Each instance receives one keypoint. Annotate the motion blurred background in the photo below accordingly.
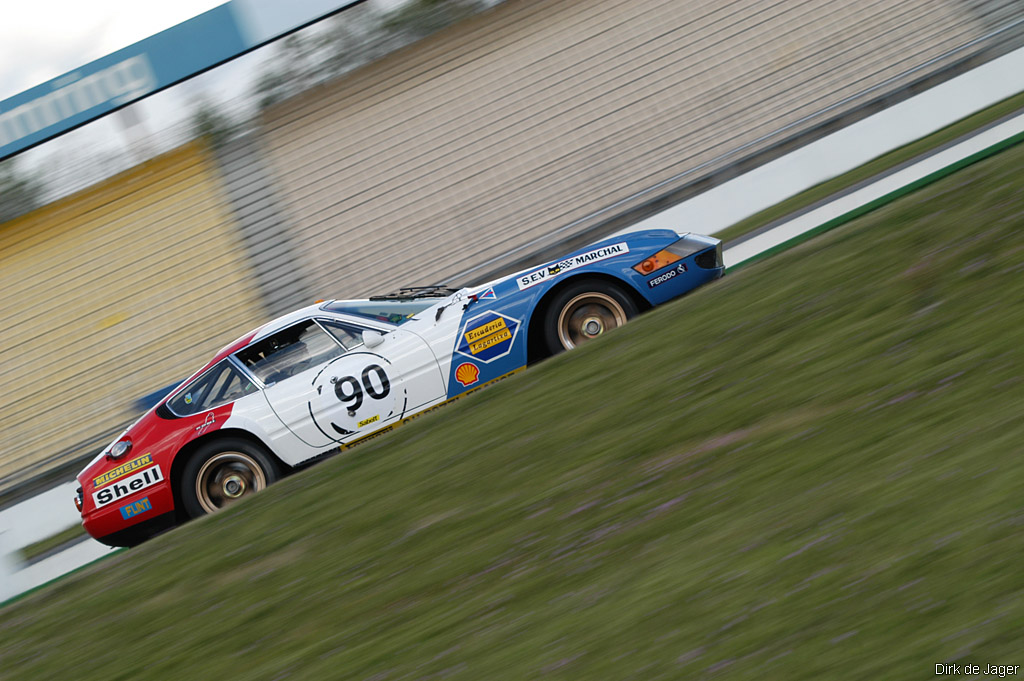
(398, 144)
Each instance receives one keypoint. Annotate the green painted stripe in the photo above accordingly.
(884, 200)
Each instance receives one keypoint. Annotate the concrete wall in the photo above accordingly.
(539, 112)
(112, 293)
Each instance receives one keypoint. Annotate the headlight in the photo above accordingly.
(119, 449)
(686, 246)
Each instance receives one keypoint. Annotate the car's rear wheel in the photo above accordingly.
(223, 471)
(585, 310)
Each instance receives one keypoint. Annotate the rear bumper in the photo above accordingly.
(110, 525)
(140, 532)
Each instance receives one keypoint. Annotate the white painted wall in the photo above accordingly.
(836, 208)
(845, 149)
(9, 566)
(37, 518)
(41, 516)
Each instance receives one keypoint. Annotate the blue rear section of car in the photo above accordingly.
(495, 327)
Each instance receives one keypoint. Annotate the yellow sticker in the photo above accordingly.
(366, 422)
(122, 470)
(490, 341)
(486, 330)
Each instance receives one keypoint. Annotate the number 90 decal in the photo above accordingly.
(353, 392)
(350, 389)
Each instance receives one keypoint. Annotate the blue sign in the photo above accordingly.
(151, 65)
(137, 508)
(117, 79)
(488, 336)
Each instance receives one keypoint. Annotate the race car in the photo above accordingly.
(337, 373)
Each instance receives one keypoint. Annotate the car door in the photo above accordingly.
(327, 388)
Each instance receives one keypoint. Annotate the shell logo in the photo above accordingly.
(467, 374)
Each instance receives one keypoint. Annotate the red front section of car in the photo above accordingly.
(128, 499)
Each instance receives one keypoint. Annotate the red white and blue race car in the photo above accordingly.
(323, 378)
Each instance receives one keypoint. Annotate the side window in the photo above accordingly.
(220, 385)
(348, 335)
(290, 352)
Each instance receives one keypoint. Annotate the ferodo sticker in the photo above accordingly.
(122, 470)
(488, 336)
(147, 477)
(668, 276)
(539, 276)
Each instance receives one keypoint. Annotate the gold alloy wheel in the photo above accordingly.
(587, 316)
(227, 477)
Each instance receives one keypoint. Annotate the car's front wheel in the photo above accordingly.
(223, 471)
(583, 311)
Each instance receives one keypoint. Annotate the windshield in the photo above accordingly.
(390, 311)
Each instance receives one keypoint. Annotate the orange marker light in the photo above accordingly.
(660, 259)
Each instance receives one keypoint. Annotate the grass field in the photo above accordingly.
(808, 470)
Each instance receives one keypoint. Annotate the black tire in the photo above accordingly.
(223, 471)
(583, 311)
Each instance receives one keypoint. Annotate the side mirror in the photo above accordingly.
(372, 339)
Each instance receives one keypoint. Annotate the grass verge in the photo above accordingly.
(807, 470)
(881, 164)
(44, 546)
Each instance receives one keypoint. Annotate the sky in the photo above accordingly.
(43, 39)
